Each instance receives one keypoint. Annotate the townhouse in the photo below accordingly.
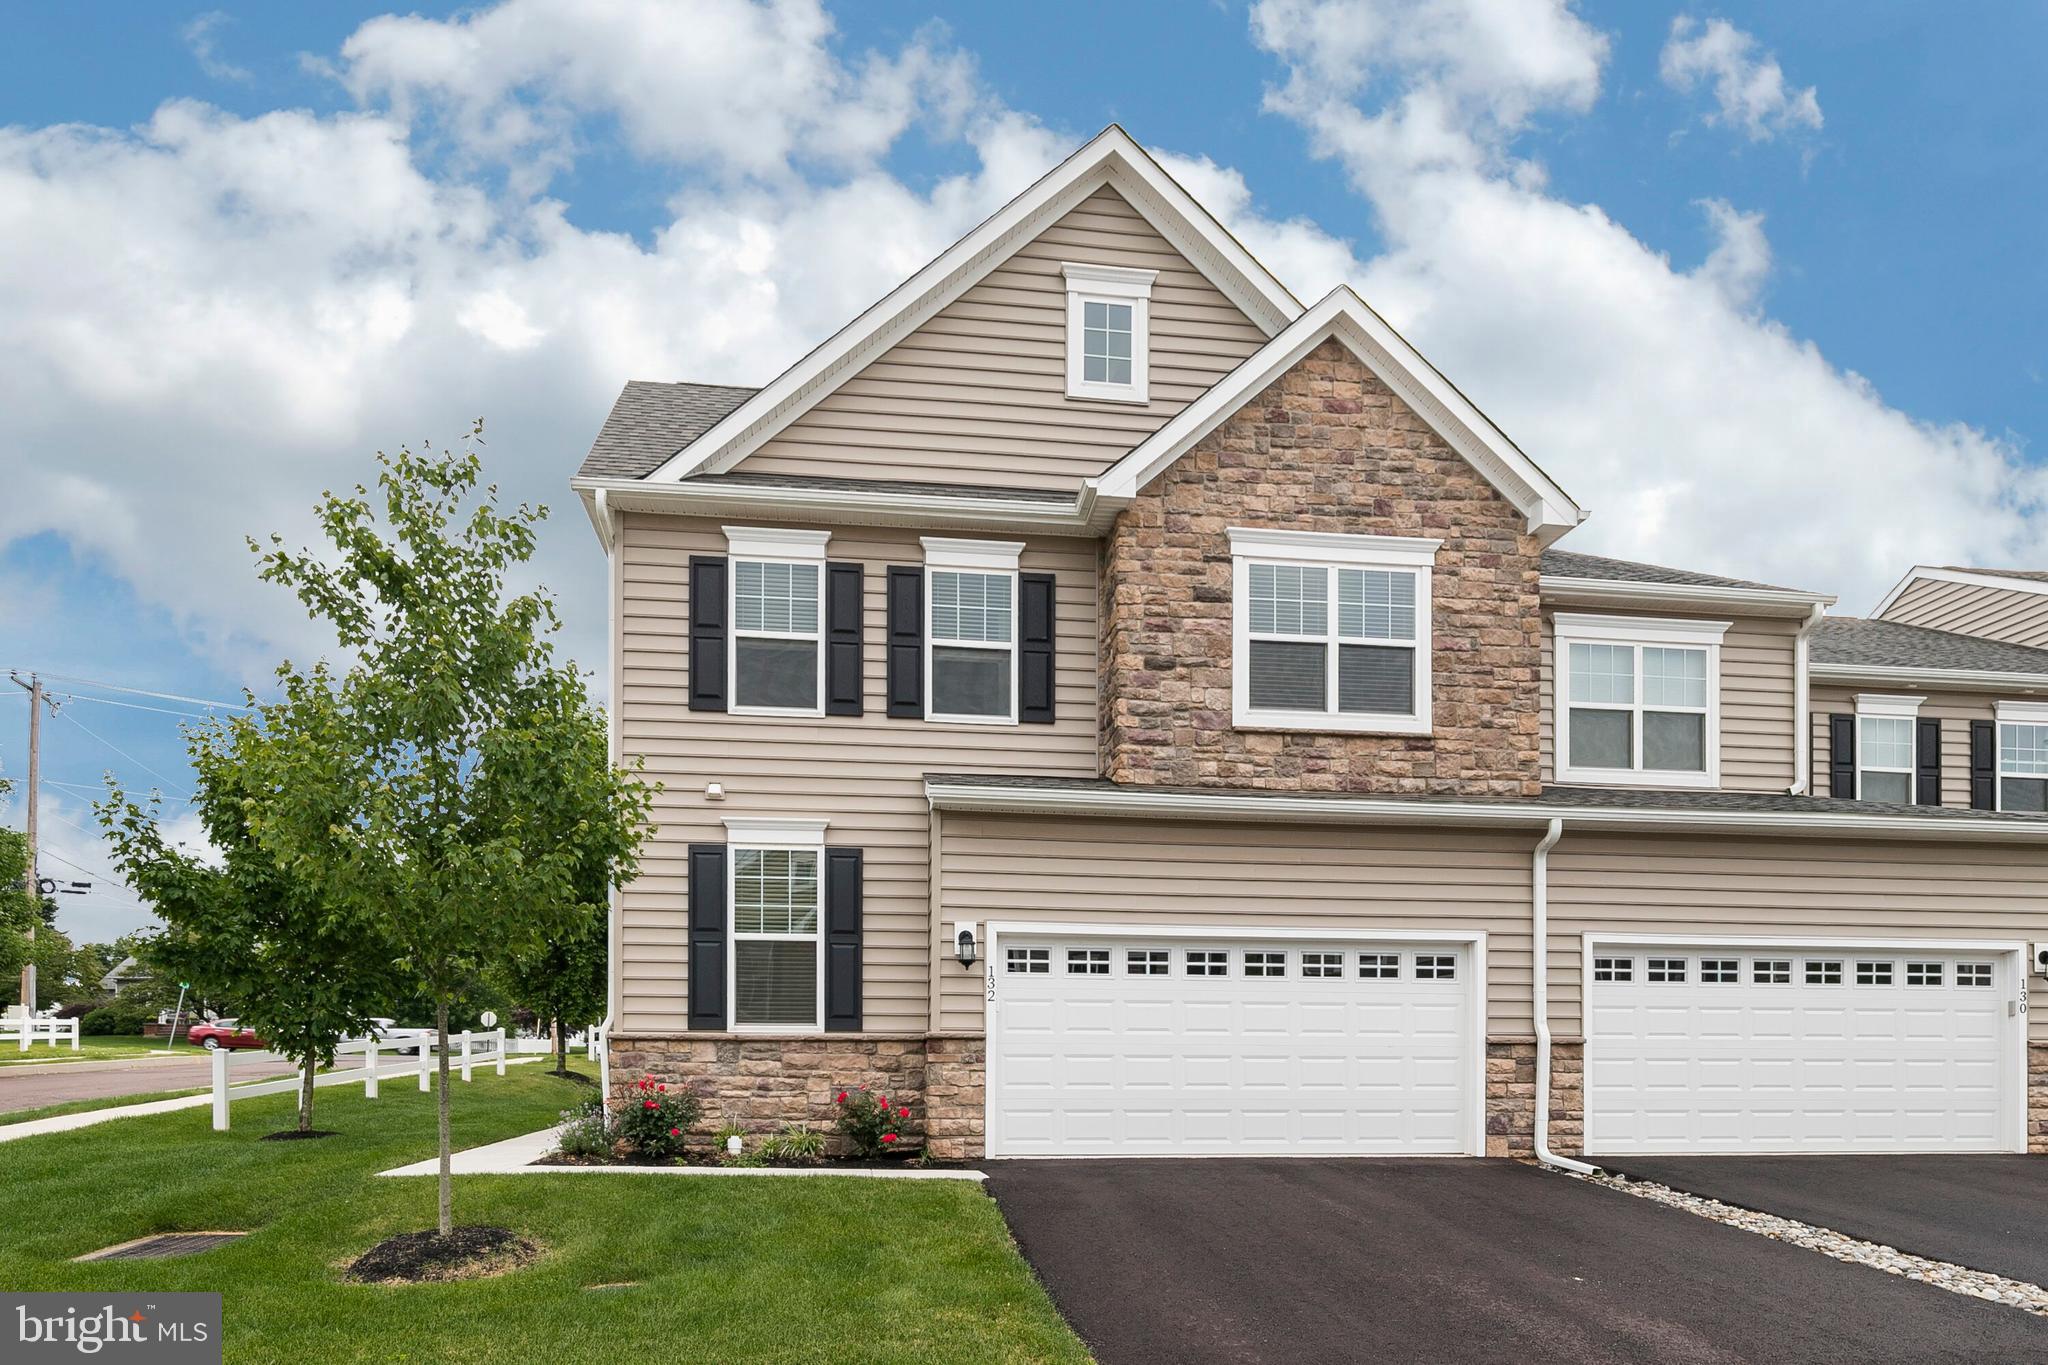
(1119, 709)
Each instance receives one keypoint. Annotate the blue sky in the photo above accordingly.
(1797, 338)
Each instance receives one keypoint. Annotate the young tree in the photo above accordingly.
(303, 968)
(472, 835)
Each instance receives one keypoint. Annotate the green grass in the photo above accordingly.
(92, 1049)
(723, 1269)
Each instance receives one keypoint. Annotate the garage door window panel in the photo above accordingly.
(1614, 969)
(1088, 962)
(1664, 970)
(1147, 962)
(1973, 974)
(1772, 971)
(1379, 966)
(1873, 973)
(1640, 700)
(1924, 973)
(1436, 967)
(1322, 966)
(1205, 962)
(1823, 972)
(1265, 964)
(1035, 960)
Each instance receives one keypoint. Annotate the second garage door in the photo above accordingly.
(1831, 1049)
(1140, 1047)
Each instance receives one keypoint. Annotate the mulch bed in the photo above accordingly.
(467, 1253)
(293, 1134)
(700, 1159)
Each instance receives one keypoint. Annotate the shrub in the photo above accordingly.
(796, 1144)
(867, 1121)
(589, 1131)
(117, 1017)
(655, 1121)
(79, 1009)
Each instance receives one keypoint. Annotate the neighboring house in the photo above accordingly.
(1999, 604)
(127, 972)
(1203, 660)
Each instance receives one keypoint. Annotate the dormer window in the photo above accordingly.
(1108, 331)
(1331, 632)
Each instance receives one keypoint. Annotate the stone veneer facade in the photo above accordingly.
(1326, 447)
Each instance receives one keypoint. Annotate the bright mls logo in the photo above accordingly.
(175, 1329)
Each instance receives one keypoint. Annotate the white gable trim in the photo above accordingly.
(1975, 580)
(1112, 159)
(1342, 314)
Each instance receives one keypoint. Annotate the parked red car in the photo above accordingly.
(223, 1033)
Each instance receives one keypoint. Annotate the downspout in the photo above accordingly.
(1802, 708)
(1539, 927)
(611, 714)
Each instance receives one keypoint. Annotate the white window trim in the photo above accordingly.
(1875, 706)
(1331, 551)
(995, 558)
(2012, 713)
(796, 836)
(1568, 629)
(1109, 284)
(770, 545)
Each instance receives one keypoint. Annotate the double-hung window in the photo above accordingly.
(1885, 748)
(1108, 331)
(2023, 756)
(971, 630)
(777, 660)
(1639, 700)
(1331, 632)
(777, 898)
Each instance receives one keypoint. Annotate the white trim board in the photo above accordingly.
(1113, 159)
(1344, 315)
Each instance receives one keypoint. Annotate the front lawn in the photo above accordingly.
(817, 1268)
(106, 1048)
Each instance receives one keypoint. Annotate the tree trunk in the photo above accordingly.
(306, 1075)
(561, 1046)
(447, 1182)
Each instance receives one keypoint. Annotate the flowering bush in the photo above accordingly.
(655, 1120)
(588, 1132)
(869, 1123)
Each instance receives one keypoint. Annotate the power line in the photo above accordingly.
(145, 692)
(123, 752)
(134, 706)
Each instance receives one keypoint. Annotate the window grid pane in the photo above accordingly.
(1037, 961)
(1146, 962)
(1265, 964)
(1106, 343)
(1664, 969)
(1088, 961)
(1824, 973)
(1379, 966)
(1322, 964)
(1885, 742)
(1290, 599)
(1614, 969)
(775, 598)
(1375, 604)
(1603, 675)
(971, 607)
(1771, 971)
(1674, 677)
(1435, 967)
(1923, 973)
(774, 891)
(1723, 971)
(1203, 962)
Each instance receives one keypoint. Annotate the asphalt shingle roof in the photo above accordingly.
(1892, 644)
(1571, 564)
(2033, 575)
(651, 422)
(1560, 798)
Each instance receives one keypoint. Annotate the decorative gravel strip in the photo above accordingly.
(1956, 1279)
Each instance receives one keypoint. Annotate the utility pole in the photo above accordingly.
(34, 687)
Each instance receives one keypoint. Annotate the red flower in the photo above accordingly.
(842, 1097)
(888, 1137)
(662, 1088)
(675, 1132)
(649, 1104)
(903, 1113)
(882, 1100)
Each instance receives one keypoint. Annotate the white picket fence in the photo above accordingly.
(25, 1031)
(473, 1047)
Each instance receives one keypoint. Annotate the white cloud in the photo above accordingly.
(1699, 430)
(1749, 86)
(199, 40)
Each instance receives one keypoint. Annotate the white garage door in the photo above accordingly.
(1149, 1047)
(1780, 1050)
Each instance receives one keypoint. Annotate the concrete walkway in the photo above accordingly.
(515, 1156)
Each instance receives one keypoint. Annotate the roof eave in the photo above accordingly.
(1960, 679)
(836, 506)
(1608, 592)
(966, 797)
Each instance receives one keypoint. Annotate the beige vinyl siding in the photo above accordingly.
(978, 393)
(1047, 869)
(1008, 868)
(1955, 711)
(863, 774)
(2010, 614)
(1785, 888)
(1759, 712)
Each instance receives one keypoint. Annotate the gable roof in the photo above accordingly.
(2012, 580)
(1571, 564)
(1112, 158)
(1348, 318)
(1856, 646)
(649, 422)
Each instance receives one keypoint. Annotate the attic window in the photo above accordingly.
(1108, 331)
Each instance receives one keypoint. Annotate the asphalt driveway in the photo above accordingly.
(1985, 1212)
(1450, 1260)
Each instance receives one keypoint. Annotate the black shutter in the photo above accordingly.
(1035, 626)
(1927, 762)
(842, 639)
(707, 936)
(1842, 756)
(906, 641)
(842, 940)
(708, 639)
(1983, 765)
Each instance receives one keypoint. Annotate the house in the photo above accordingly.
(126, 972)
(1114, 707)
